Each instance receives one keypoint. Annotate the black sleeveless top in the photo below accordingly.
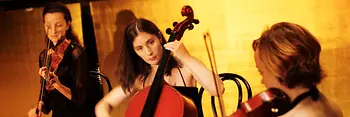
(192, 93)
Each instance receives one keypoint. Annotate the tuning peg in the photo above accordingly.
(175, 23)
(195, 21)
(190, 27)
(168, 31)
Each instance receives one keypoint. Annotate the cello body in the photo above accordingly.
(171, 104)
(160, 99)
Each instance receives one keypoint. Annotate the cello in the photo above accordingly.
(155, 100)
(272, 102)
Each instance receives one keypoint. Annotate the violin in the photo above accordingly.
(58, 54)
(270, 103)
(160, 99)
(52, 60)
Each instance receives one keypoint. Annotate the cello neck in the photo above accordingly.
(158, 82)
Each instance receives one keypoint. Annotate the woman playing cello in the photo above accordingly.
(142, 49)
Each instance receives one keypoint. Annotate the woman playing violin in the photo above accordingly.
(142, 50)
(287, 57)
(65, 93)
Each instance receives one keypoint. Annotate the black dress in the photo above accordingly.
(72, 72)
(192, 93)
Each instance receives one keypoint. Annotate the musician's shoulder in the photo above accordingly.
(330, 108)
(42, 52)
(300, 111)
(311, 108)
(42, 55)
(77, 50)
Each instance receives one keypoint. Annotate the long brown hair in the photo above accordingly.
(131, 66)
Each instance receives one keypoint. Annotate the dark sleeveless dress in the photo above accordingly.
(192, 93)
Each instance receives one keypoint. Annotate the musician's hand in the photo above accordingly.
(32, 112)
(42, 72)
(54, 80)
(178, 48)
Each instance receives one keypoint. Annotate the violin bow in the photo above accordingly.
(212, 60)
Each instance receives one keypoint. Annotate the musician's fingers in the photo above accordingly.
(170, 46)
(43, 68)
(51, 51)
(49, 87)
(32, 113)
(42, 71)
(40, 105)
(166, 45)
(39, 114)
(51, 81)
(175, 43)
(53, 76)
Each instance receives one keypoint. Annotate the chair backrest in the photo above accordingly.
(235, 78)
(98, 75)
